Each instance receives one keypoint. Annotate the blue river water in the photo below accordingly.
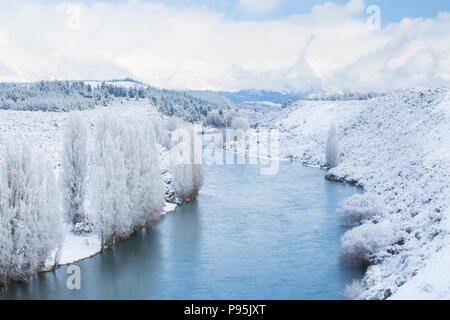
(247, 236)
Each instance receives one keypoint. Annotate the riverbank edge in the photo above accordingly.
(168, 208)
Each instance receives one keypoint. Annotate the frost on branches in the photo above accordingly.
(361, 208)
(30, 225)
(332, 152)
(186, 162)
(127, 186)
(74, 171)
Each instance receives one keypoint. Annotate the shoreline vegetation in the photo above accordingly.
(394, 147)
(169, 208)
(135, 160)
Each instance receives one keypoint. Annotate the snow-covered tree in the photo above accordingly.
(332, 149)
(181, 157)
(240, 123)
(30, 225)
(187, 163)
(197, 179)
(144, 179)
(74, 169)
(127, 186)
(215, 119)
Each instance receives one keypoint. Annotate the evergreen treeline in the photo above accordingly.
(58, 96)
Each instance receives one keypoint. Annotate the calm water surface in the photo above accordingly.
(246, 237)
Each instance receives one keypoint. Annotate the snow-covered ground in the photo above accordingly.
(45, 130)
(397, 146)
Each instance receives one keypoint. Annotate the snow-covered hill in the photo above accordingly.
(397, 146)
(83, 95)
(262, 98)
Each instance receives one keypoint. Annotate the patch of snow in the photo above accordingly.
(78, 247)
(169, 207)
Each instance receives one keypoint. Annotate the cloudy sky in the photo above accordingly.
(230, 44)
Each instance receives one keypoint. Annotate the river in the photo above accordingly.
(247, 236)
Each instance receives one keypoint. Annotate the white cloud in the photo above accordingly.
(195, 48)
(257, 6)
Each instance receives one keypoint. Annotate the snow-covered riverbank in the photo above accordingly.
(78, 247)
(45, 130)
(397, 146)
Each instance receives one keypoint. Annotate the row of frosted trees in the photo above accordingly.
(121, 176)
(129, 191)
(124, 176)
(30, 223)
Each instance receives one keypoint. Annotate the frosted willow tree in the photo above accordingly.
(110, 196)
(128, 190)
(332, 149)
(149, 196)
(30, 225)
(187, 163)
(240, 123)
(74, 170)
(144, 180)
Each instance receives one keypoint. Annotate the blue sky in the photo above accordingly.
(392, 10)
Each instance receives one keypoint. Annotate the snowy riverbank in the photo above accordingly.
(79, 247)
(45, 130)
(397, 146)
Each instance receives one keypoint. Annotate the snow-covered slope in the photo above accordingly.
(81, 95)
(397, 146)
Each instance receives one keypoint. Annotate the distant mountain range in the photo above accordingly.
(253, 97)
(190, 105)
(245, 96)
(249, 98)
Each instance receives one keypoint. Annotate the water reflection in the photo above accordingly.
(246, 237)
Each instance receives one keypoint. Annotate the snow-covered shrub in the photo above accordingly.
(240, 123)
(360, 208)
(354, 290)
(187, 169)
(111, 200)
(172, 123)
(82, 227)
(74, 170)
(161, 132)
(332, 150)
(360, 245)
(30, 224)
(127, 186)
(213, 118)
